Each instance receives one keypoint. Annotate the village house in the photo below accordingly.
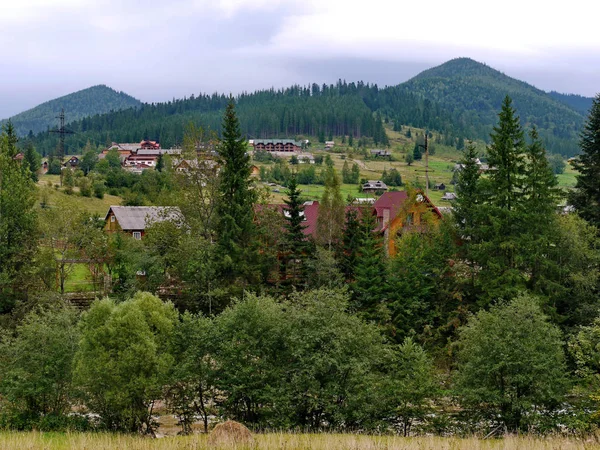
(329, 144)
(397, 211)
(277, 145)
(377, 153)
(394, 212)
(374, 186)
(306, 158)
(439, 187)
(449, 196)
(72, 162)
(134, 220)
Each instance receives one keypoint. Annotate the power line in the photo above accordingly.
(61, 131)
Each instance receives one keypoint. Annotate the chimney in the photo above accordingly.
(386, 216)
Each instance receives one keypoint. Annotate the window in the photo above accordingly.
(409, 219)
(112, 218)
(137, 235)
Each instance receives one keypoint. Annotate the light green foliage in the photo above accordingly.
(123, 359)
(89, 160)
(557, 163)
(511, 365)
(330, 222)
(190, 387)
(36, 363)
(411, 386)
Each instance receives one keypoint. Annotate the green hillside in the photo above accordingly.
(458, 99)
(87, 102)
(579, 103)
(473, 93)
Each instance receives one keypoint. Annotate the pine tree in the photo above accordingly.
(586, 195)
(331, 211)
(539, 233)
(369, 287)
(296, 246)
(18, 223)
(33, 160)
(498, 251)
(351, 243)
(236, 203)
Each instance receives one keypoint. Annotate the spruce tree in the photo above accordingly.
(539, 231)
(33, 161)
(498, 250)
(351, 243)
(18, 224)
(369, 287)
(296, 246)
(586, 195)
(235, 207)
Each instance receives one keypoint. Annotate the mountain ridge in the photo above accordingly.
(98, 99)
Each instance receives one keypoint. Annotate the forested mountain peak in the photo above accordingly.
(474, 92)
(87, 102)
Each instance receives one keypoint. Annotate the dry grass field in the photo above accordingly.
(272, 441)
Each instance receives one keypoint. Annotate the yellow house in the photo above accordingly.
(401, 210)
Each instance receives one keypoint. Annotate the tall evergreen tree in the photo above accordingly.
(350, 243)
(296, 246)
(498, 251)
(369, 287)
(18, 226)
(33, 160)
(586, 195)
(236, 203)
(539, 231)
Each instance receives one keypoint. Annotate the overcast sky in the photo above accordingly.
(159, 49)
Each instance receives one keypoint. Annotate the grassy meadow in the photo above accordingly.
(288, 441)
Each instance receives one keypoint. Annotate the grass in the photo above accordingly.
(79, 279)
(55, 196)
(289, 441)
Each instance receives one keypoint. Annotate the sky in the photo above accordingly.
(157, 50)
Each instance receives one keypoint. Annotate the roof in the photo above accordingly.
(276, 141)
(374, 184)
(392, 201)
(137, 217)
(157, 152)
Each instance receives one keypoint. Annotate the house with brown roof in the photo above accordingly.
(374, 186)
(134, 220)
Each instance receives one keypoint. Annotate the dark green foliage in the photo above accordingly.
(579, 103)
(236, 202)
(351, 242)
(18, 223)
(368, 289)
(296, 247)
(586, 195)
(391, 177)
(474, 92)
(85, 103)
(33, 161)
(511, 364)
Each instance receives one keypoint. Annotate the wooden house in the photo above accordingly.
(134, 220)
(398, 211)
(374, 186)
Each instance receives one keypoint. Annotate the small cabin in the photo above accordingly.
(134, 220)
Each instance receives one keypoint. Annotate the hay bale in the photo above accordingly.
(230, 433)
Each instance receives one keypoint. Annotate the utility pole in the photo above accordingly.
(426, 147)
(61, 131)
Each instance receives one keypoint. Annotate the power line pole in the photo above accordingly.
(61, 131)
(426, 164)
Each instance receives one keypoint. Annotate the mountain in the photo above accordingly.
(579, 103)
(459, 99)
(87, 102)
(473, 93)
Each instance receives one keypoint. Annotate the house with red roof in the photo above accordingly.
(401, 210)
